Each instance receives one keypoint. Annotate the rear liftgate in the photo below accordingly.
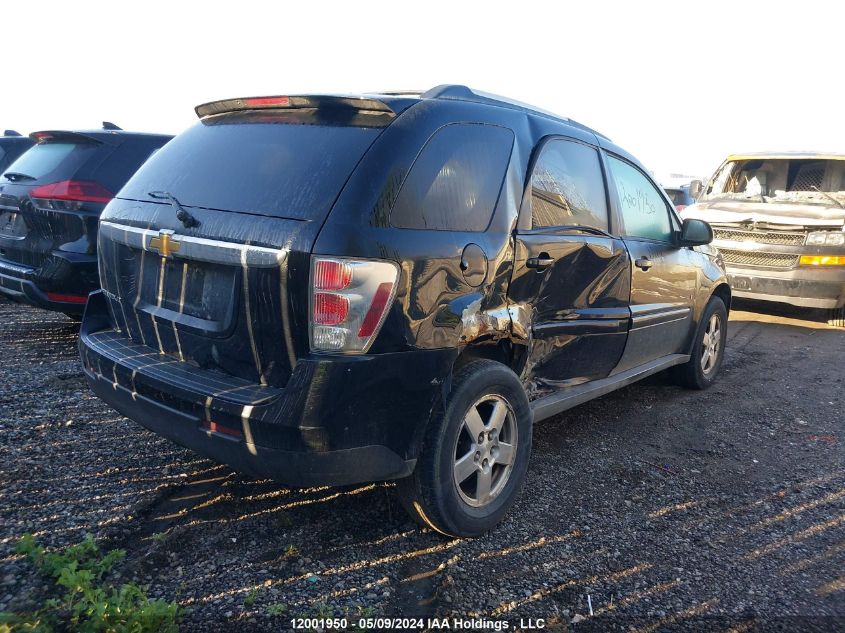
(190, 303)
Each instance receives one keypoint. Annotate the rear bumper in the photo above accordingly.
(806, 287)
(337, 421)
(77, 276)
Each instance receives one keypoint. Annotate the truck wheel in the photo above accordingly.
(474, 456)
(837, 317)
(708, 350)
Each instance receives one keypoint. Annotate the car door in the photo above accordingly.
(570, 270)
(663, 275)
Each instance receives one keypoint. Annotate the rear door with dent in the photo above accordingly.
(571, 269)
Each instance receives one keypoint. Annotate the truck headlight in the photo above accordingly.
(826, 238)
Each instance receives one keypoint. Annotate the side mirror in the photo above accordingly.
(695, 233)
(695, 189)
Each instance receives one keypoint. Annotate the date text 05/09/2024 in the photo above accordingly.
(411, 624)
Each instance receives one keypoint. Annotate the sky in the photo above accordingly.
(678, 84)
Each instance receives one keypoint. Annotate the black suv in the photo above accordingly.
(335, 289)
(51, 198)
(12, 145)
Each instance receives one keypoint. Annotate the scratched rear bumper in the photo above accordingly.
(338, 420)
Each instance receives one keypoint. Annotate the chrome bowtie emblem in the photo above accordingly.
(165, 244)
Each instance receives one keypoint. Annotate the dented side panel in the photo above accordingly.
(452, 290)
(580, 311)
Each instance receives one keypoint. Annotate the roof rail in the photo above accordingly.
(464, 93)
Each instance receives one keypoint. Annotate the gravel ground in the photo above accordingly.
(665, 507)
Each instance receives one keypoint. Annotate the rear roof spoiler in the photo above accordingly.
(359, 104)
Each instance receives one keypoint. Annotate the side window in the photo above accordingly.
(454, 183)
(644, 210)
(567, 187)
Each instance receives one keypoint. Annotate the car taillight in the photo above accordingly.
(349, 301)
(66, 298)
(69, 194)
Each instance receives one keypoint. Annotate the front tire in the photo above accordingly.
(475, 453)
(708, 350)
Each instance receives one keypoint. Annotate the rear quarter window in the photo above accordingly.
(455, 180)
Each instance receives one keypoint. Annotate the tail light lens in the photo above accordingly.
(65, 298)
(350, 299)
(68, 195)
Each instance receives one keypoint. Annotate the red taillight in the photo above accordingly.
(257, 102)
(349, 302)
(330, 309)
(208, 425)
(376, 310)
(58, 296)
(330, 274)
(76, 190)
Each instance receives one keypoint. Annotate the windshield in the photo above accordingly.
(805, 180)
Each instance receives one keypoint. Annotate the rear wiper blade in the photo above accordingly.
(181, 214)
(14, 176)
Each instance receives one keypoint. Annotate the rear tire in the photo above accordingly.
(708, 350)
(474, 456)
(836, 318)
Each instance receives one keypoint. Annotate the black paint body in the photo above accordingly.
(237, 354)
(45, 253)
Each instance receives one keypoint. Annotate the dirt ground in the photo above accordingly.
(654, 507)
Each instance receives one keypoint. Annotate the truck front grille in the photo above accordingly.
(763, 260)
(761, 237)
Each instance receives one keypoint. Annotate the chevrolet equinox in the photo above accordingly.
(327, 290)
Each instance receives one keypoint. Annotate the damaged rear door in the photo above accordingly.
(574, 272)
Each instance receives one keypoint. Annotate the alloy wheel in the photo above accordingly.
(712, 344)
(485, 450)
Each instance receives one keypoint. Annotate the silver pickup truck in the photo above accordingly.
(778, 220)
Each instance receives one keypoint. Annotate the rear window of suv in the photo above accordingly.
(56, 160)
(287, 164)
(454, 183)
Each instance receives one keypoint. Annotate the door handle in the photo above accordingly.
(643, 262)
(540, 262)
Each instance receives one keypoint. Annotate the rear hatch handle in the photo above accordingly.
(182, 215)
